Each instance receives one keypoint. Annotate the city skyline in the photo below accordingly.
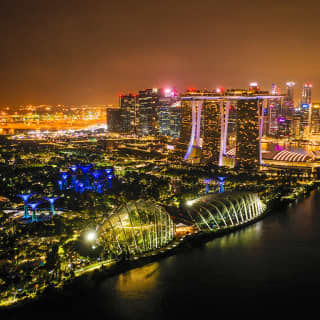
(282, 90)
(159, 159)
(79, 52)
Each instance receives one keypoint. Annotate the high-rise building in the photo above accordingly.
(289, 107)
(275, 89)
(295, 128)
(306, 93)
(189, 141)
(148, 114)
(205, 119)
(290, 90)
(211, 131)
(114, 119)
(271, 116)
(175, 119)
(203, 126)
(128, 113)
(315, 118)
(247, 147)
(168, 110)
(305, 107)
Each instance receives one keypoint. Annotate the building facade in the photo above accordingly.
(305, 111)
(211, 131)
(247, 146)
(128, 113)
(169, 112)
(148, 113)
(114, 119)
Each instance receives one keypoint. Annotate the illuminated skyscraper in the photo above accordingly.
(289, 106)
(305, 118)
(189, 142)
(275, 89)
(271, 115)
(204, 125)
(315, 118)
(247, 147)
(306, 93)
(290, 90)
(211, 131)
(128, 113)
(168, 110)
(175, 119)
(205, 122)
(114, 119)
(148, 115)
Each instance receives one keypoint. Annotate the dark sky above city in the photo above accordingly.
(87, 52)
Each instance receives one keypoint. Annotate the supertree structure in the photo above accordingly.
(25, 197)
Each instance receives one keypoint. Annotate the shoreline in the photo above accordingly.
(188, 242)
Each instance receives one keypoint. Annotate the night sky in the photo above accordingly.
(87, 52)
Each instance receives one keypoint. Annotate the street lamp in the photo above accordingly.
(91, 235)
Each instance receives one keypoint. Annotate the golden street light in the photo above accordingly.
(91, 235)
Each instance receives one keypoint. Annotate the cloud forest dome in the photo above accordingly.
(136, 227)
(217, 211)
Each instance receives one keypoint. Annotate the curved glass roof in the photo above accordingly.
(216, 211)
(136, 227)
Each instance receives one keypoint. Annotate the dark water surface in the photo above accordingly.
(270, 268)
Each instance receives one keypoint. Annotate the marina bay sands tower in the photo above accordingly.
(204, 126)
(203, 130)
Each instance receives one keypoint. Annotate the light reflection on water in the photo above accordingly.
(245, 237)
(273, 261)
(142, 279)
(278, 256)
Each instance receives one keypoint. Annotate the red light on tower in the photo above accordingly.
(120, 95)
